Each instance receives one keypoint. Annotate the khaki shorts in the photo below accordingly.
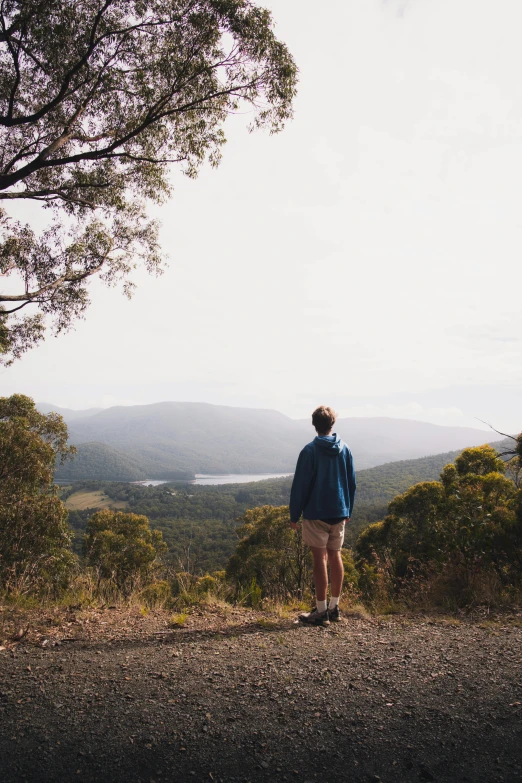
(321, 534)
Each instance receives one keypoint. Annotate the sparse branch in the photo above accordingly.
(36, 296)
(517, 439)
(504, 434)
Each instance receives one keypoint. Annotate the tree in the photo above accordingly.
(34, 535)
(468, 522)
(514, 455)
(270, 557)
(97, 99)
(123, 548)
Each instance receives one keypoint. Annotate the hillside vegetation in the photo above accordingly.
(456, 539)
(97, 459)
(198, 522)
(204, 518)
(174, 540)
(102, 462)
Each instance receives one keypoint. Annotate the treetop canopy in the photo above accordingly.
(97, 100)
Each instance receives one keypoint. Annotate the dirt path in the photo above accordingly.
(243, 698)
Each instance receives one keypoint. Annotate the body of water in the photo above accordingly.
(149, 483)
(237, 478)
(232, 478)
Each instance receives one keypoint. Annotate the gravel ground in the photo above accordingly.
(239, 696)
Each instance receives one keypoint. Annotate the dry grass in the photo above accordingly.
(357, 612)
(178, 620)
(79, 501)
(268, 623)
(451, 622)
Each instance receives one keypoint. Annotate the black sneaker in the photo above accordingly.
(315, 618)
(334, 615)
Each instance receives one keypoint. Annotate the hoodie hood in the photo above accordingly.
(329, 444)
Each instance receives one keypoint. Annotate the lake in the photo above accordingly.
(232, 478)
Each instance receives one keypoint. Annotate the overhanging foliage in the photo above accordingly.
(97, 100)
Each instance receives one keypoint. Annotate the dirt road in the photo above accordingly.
(254, 699)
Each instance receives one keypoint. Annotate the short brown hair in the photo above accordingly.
(323, 419)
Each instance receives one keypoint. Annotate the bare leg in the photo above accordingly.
(320, 572)
(336, 571)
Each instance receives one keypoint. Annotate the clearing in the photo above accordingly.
(81, 500)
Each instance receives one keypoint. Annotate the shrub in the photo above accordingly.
(270, 560)
(156, 594)
(351, 575)
(178, 620)
(457, 541)
(123, 549)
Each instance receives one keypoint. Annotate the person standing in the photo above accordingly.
(323, 492)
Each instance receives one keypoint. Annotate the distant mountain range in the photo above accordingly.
(172, 440)
(68, 413)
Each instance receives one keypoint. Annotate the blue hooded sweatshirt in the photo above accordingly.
(324, 481)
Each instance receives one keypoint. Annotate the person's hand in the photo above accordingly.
(293, 525)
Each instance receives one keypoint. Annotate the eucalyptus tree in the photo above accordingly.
(464, 530)
(270, 560)
(34, 535)
(122, 548)
(98, 98)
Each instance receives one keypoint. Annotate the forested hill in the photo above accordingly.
(376, 487)
(167, 439)
(97, 461)
(382, 483)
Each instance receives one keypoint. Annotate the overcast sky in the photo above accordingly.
(368, 257)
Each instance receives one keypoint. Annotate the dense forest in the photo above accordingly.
(95, 460)
(198, 522)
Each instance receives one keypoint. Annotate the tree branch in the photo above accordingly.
(55, 192)
(9, 121)
(9, 180)
(10, 312)
(20, 155)
(495, 430)
(32, 296)
(16, 65)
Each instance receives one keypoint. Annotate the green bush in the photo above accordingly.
(456, 540)
(35, 539)
(271, 556)
(123, 549)
(156, 594)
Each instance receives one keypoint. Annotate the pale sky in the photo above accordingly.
(367, 257)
